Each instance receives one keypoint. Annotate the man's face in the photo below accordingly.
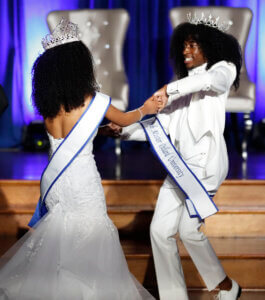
(193, 56)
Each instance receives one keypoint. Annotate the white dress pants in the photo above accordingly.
(170, 217)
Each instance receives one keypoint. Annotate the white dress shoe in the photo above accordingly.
(233, 294)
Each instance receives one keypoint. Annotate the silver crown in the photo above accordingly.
(64, 32)
(210, 21)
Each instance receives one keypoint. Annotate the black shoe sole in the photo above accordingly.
(239, 292)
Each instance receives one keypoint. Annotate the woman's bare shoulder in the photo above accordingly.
(63, 122)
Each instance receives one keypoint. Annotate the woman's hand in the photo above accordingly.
(152, 106)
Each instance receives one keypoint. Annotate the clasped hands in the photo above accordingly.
(161, 99)
(161, 96)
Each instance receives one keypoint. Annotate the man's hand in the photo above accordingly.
(161, 96)
(152, 106)
(111, 130)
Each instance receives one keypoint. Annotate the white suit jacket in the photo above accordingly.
(194, 118)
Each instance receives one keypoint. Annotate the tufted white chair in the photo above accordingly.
(242, 100)
(103, 32)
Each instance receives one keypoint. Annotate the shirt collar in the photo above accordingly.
(198, 70)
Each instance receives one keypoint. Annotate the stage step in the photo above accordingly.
(246, 295)
(24, 194)
(229, 222)
(131, 204)
(242, 258)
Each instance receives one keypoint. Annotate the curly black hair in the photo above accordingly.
(61, 78)
(215, 45)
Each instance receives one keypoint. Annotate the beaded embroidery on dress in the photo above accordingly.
(74, 252)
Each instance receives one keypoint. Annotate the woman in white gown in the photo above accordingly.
(73, 251)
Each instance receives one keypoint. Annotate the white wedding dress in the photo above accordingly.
(74, 252)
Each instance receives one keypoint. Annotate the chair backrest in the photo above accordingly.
(103, 32)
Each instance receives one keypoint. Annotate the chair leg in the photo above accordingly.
(235, 130)
(248, 123)
(118, 158)
(118, 147)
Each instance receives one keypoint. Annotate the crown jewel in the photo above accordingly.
(64, 32)
(210, 21)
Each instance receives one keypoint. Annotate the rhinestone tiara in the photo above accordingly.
(64, 32)
(210, 21)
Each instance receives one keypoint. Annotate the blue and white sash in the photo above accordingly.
(69, 149)
(198, 202)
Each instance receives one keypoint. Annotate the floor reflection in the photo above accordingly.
(136, 162)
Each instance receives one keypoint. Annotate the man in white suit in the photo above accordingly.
(207, 63)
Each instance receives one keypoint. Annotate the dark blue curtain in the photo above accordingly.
(11, 77)
(145, 52)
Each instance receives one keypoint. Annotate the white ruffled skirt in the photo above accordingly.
(68, 257)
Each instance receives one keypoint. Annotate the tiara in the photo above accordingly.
(210, 21)
(64, 32)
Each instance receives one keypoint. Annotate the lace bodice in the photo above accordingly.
(79, 189)
(55, 143)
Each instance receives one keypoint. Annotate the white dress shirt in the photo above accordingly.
(194, 118)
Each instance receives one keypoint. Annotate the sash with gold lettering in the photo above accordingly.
(70, 148)
(198, 201)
